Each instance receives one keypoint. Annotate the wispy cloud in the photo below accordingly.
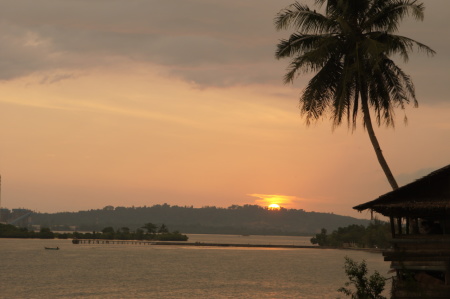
(218, 43)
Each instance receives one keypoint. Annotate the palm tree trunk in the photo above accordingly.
(376, 145)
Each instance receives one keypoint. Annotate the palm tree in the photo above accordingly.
(350, 49)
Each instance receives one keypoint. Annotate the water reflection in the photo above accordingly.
(134, 271)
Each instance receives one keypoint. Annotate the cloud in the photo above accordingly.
(207, 43)
(49, 79)
(22, 52)
(193, 39)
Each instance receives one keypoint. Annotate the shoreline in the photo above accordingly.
(373, 250)
(207, 244)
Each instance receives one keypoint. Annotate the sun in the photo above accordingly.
(273, 206)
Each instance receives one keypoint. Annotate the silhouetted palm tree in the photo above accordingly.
(349, 48)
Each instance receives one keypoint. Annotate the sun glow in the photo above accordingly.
(275, 201)
(274, 206)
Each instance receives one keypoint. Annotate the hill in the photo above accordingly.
(247, 219)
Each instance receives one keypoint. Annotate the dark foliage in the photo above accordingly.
(11, 231)
(363, 287)
(376, 235)
(108, 233)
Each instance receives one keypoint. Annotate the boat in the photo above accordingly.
(52, 248)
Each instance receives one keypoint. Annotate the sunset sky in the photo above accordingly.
(143, 102)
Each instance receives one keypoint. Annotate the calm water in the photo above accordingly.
(27, 270)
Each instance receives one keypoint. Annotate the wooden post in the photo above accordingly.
(416, 226)
(399, 225)
(407, 225)
(447, 274)
(392, 226)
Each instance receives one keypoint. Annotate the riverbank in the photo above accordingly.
(181, 243)
(209, 244)
(373, 250)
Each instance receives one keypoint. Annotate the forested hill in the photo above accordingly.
(247, 219)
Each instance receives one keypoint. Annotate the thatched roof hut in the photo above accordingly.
(425, 197)
(420, 223)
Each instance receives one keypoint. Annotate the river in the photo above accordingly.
(27, 270)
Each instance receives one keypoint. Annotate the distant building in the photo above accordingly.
(4, 215)
(20, 217)
(108, 208)
(420, 223)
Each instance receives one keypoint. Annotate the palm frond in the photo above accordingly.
(320, 90)
(389, 88)
(310, 53)
(401, 45)
(297, 44)
(402, 82)
(342, 101)
(380, 97)
(305, 63)
(388, 14)
(303, 19)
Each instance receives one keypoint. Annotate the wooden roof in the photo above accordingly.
(425, 197)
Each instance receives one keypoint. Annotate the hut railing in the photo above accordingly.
(421, 253)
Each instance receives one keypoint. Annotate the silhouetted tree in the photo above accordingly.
(46, 233)
(163, 229)
(320, 239)
(350, 48)
(151, 228)
(366, 287)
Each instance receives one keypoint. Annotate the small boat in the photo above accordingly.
(52, 248)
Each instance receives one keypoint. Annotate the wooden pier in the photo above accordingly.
(102, 241)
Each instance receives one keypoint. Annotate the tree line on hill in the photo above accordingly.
(246, 219)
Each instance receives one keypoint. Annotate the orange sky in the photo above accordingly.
(127, 104)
